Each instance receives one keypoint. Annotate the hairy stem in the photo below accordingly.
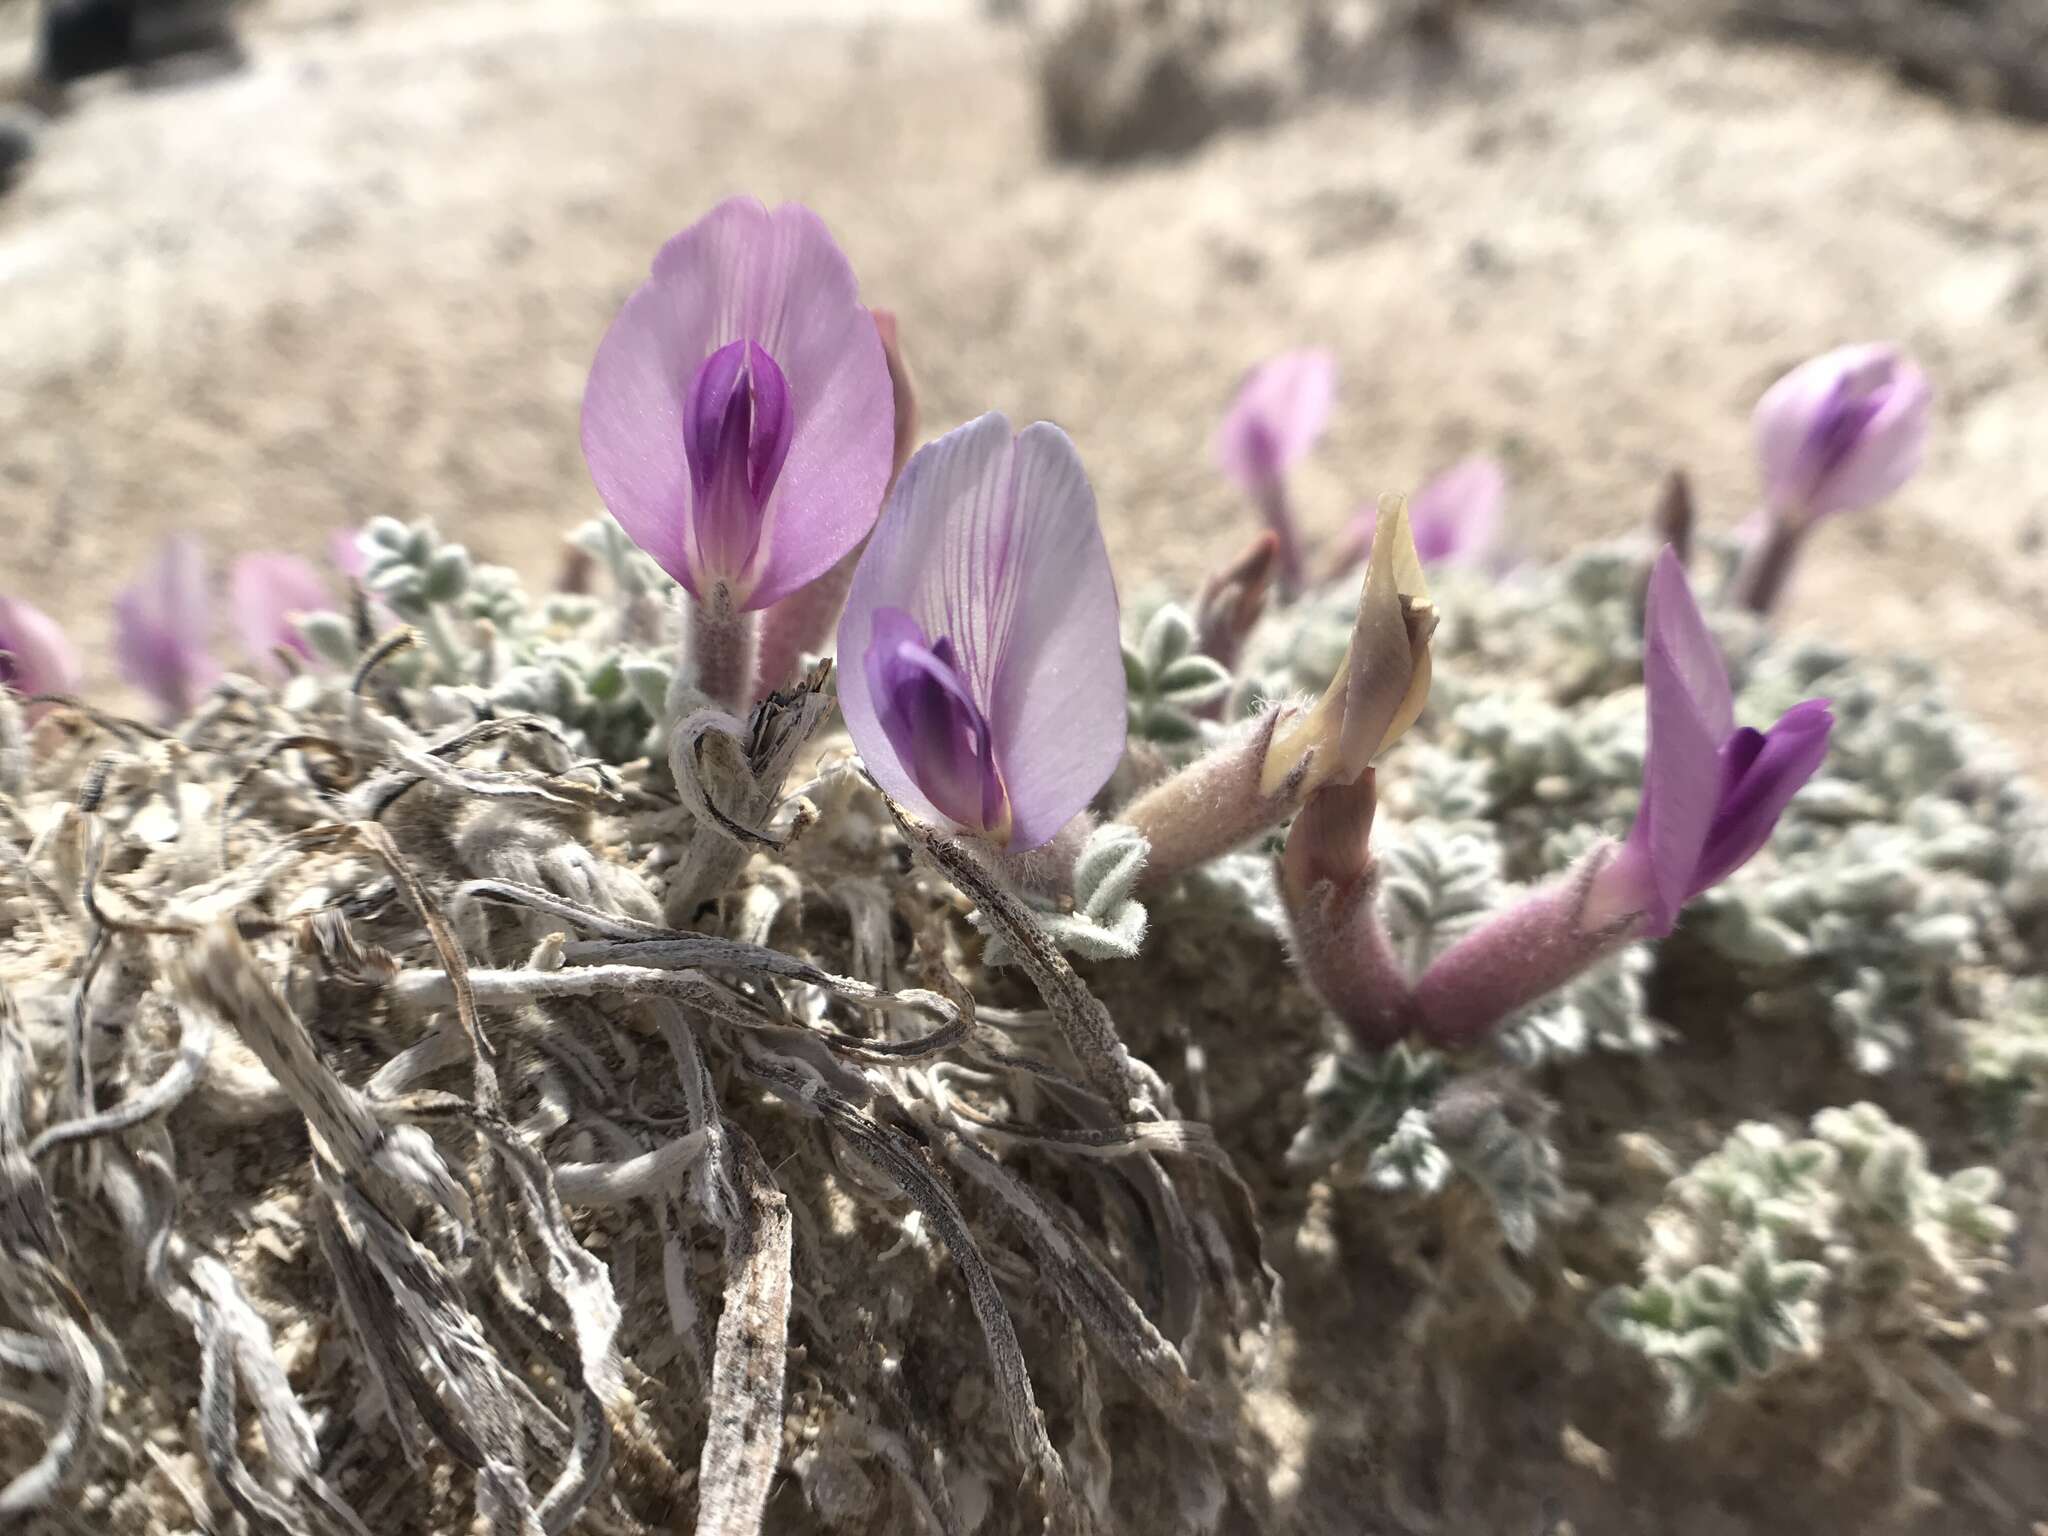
(724, 644)
(1342, 951)
(1291, 569)
(1215, 803)
(801, 624)
(1523, 952)
(1766, 567)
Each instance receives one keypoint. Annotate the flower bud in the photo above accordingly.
(1841, 432)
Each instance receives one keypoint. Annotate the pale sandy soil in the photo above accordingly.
(367, 274)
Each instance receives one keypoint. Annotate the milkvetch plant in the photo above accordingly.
(1458, 517)
(557, 914)
(1711, 794)
(267, 595)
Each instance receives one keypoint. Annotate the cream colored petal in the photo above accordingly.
(1384, 680)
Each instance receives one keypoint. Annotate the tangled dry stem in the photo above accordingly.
(457, 1183)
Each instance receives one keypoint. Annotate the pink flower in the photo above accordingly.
(980, 672)
(160, 629)
(1712, 792)
(1457, 518)
(1842, 432)
(34, 655)
(1280, 410)
(268, 592)
(738, 418)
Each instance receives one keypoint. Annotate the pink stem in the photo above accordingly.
(1214, 804)
(1517, 956)
(1767, 565)
(1279, 516)
(1342, 951)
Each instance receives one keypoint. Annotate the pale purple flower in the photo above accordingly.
(1457, 518)
(1712, 791)
(268, 593)
(1842, 431)
(980, 670)
(160, 628)
(738, 418)
(1280, 410)
(34, 655)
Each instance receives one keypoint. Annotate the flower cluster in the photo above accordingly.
(748, 423)
(163, 627)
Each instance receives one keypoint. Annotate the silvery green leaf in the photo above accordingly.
(386, 533)
(1552, 1030)
(1107, 870)
(1710, 1292)
(1137, 676)
(1353, 1100)
(1794, 1280)
(1944, 938)
(491, 592)
(446, 574)
(1839, 800)
(1409, 1159)
(1436, 882)
(331, 636)
(1743, 933)
(1168, 637)
(1119, 938)
(1245, 880)
(607, 680)
(1709, 1354)
(1499, 1140)
(1976, 1185)
(402, 587)
(1192, 682)
(649, 680)
(1106, 923)
(1161, 724)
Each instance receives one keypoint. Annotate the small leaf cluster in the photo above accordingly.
(1357, 1101)
(2005, 1059)
(492, 648)
(1437, 881)
(1772, 1250)
(1171, 687)
(411, 569)
(1106, 921)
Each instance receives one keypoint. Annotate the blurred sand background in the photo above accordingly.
(365, 274)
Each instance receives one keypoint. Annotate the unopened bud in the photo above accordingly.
(1330, 842)
(1383, 681)
(1233, 600)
